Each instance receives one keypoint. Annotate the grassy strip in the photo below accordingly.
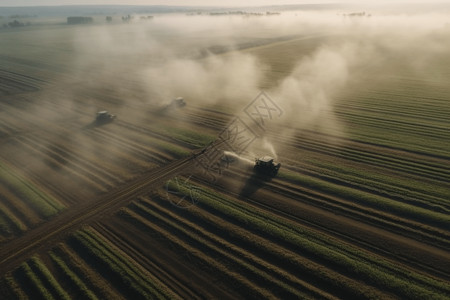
(172, 149)
(384, 161)
(131, 266)
(9, 222)
(35, 282)
(374, 201)
(329, 280)
(47, 278)
(13, 288)
(239, 242)
(397, 140)
(213, 245)
(193, 138)
(240, 282)
(414, 191)
(405, 283)
(91, 278)
(73, 278)
(133, 280)
(43, 203)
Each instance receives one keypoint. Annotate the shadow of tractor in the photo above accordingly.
(254, 183)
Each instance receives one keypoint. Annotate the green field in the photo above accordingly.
(360, 208)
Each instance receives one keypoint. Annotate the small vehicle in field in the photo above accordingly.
(178, 102)
(104, 117)
(266, 166)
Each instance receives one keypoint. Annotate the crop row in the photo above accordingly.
(369, 156)
(18, 195)
(12, 83)
(250, 274)
(379, 203)
(346, 259)
(116, 267)
(33, 278)
(409, 190)
(84, 268)
(225, 246)
(369, 162)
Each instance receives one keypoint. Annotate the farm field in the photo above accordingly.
(360, 208)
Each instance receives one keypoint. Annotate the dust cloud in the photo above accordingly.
(210, 60)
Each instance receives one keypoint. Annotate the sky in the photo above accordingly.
(193, 2)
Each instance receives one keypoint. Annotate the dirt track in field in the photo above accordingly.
(98, 170)
(280, 199)
(49, 233)
(327, 214)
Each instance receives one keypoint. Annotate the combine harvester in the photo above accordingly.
(104, 117)
(266, 166)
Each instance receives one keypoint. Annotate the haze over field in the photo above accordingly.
(136, 145)
(191, 56)
(197, 2)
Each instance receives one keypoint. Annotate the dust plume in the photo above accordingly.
(131, 68)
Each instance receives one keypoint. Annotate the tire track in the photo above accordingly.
(17, 250)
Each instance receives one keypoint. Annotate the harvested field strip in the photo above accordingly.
(313, 142)
(91, 279)
(374, 217)
(208, 118)
(387, 117)
(183, 137)
(44, 204)
(411, 106)
(24, 110)
(401, 192)
(239, 281)
(65, 196)
(9, 288)
(378, 185)
(119, 155)
(301, 193)
(237, 242)
(418, 214)
(55, 161)
(346, 259)
(11, 84)
(435, 147)
(73, 278)
(360, 232)
(10, 224)
(137, 145)
(152, 138)
(194, 138)
(264, 273)
(120, 269)
(431, 110)
(302, 273)
(389, 186)
(34, 278)
(18, 206)
(401, 164)
(155, 264)
(29, 80)
(69, 157)
(437, 117)
(6, 130)
(396, 125)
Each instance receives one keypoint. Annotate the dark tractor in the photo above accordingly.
(178, 102)
(266, 166)
(104, 117)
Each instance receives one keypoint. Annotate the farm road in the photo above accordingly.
(45, 235)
